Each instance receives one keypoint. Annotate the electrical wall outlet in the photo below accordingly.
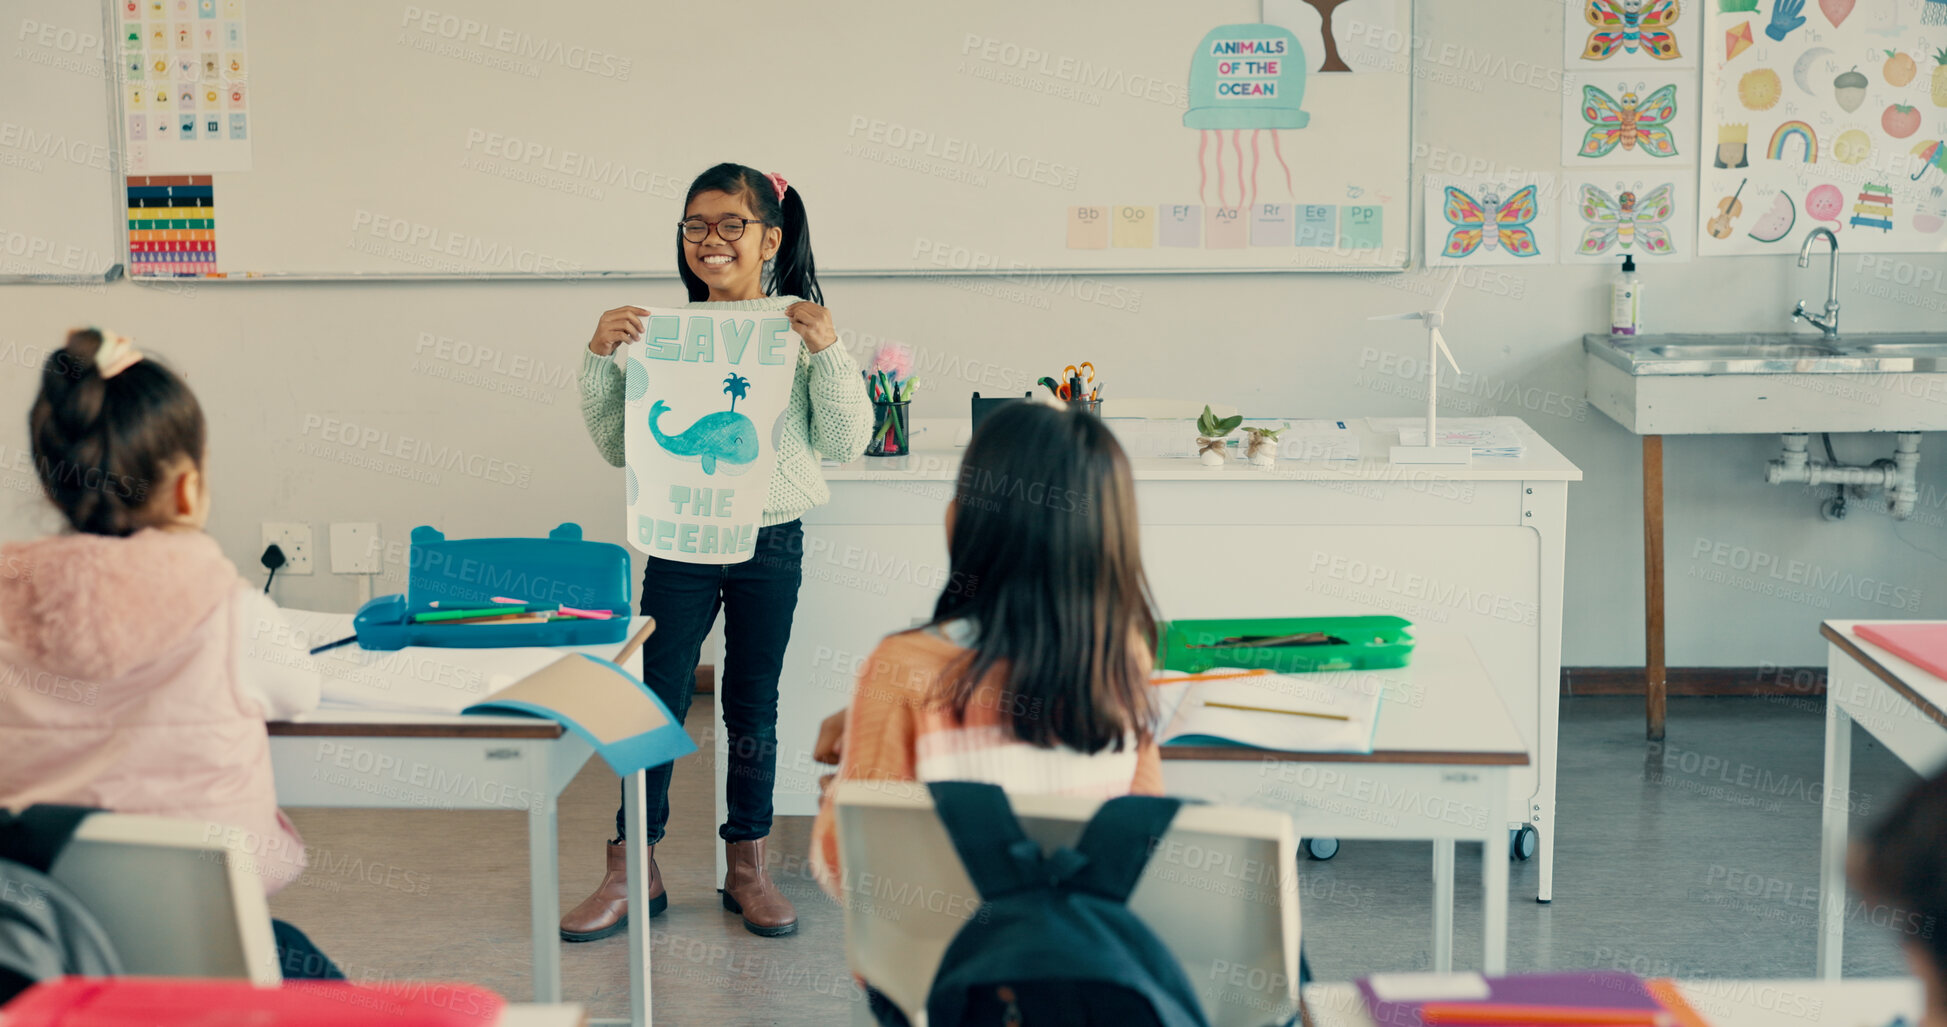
(355, 548)
(294, 538)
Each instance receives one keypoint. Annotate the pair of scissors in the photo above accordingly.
(1085, 374)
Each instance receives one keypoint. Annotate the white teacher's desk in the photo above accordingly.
(1759, 1003)
(1476, 549)
(373, 759)
(1441, 757)
(1899, 704)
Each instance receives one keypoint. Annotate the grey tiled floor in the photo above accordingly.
(1663, 867)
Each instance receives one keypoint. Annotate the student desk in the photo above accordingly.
(1478, 549)
(372, 759)
(1759, 1003)
(1899, 704)
(1441, 756)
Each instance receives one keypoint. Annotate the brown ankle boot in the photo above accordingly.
(747, 889)
(607, 911)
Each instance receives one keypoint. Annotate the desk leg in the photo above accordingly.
(544, 899)
(1545, 509)
(720, 772)
(1832, 836)
(634, 811)
(1443, 905)
(1655, 680)
(1494, 892)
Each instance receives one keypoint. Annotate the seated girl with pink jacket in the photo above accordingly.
(126, 680)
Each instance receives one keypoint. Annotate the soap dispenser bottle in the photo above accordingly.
(1626, 300)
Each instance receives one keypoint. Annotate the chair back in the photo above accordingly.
(175, 902)
(1220, 890)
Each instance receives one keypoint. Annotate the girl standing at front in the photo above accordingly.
(736, 220)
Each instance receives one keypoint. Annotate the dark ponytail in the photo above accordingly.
(792, 273)
(103, 446)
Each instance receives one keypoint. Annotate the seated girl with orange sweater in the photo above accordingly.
(1034, 672)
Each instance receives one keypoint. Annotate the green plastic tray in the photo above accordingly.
(1371, 643)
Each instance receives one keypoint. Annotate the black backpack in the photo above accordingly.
(1054, 941)
(45, 930)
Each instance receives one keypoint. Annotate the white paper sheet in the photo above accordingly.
(411, 680)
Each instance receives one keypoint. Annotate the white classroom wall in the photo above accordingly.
(277, 364)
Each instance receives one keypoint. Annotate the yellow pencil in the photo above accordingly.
(1269, 709)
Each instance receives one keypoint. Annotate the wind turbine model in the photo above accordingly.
(1436, 347)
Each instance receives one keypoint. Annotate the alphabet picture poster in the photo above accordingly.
(705, 396)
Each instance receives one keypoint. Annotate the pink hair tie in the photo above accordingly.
(117, 354)
(778, 183)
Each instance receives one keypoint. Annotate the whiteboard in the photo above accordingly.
(493, 138)
(57, 163)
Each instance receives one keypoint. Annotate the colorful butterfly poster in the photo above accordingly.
(1630, 119)
(1649, 213)
(1598, 35)
(1491, 221)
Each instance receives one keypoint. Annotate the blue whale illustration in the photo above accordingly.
(720, 437)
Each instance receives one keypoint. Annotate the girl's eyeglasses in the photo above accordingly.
(729, 229)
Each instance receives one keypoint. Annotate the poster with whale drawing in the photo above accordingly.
(704, 395)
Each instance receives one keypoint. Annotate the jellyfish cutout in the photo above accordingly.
(1246, 76)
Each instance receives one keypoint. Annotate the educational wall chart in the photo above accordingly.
(1825, 113)
(186, 101)
(1629, 119)
(171, 225)
(1605, 35)
(1493, 221)
(1644, 212)
(704, 398)
(1265, 101)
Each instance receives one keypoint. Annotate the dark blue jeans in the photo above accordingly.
(758, 598)
(298, 957)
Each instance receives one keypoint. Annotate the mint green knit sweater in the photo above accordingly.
(829, 415)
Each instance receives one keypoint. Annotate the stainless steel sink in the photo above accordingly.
(1777, 353)
(1761, 352)
(1903, 349)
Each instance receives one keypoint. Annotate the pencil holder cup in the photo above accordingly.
(891, 429)
(1092, 406)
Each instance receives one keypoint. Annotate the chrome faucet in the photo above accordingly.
(1829, 324)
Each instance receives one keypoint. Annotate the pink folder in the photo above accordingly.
(1921, 644)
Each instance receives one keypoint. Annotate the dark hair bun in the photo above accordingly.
(103, 446)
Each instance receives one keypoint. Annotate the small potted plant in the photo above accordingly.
(1262, 446)
(1211, 430)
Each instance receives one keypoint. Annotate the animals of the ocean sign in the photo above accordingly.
(705, 394)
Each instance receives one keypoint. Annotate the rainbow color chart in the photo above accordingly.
(171, 225)
(1329, 226)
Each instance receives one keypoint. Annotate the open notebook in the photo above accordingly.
(603, 703)
(616, 714)
(1334, 711)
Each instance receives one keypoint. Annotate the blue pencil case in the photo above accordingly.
(560, 570)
